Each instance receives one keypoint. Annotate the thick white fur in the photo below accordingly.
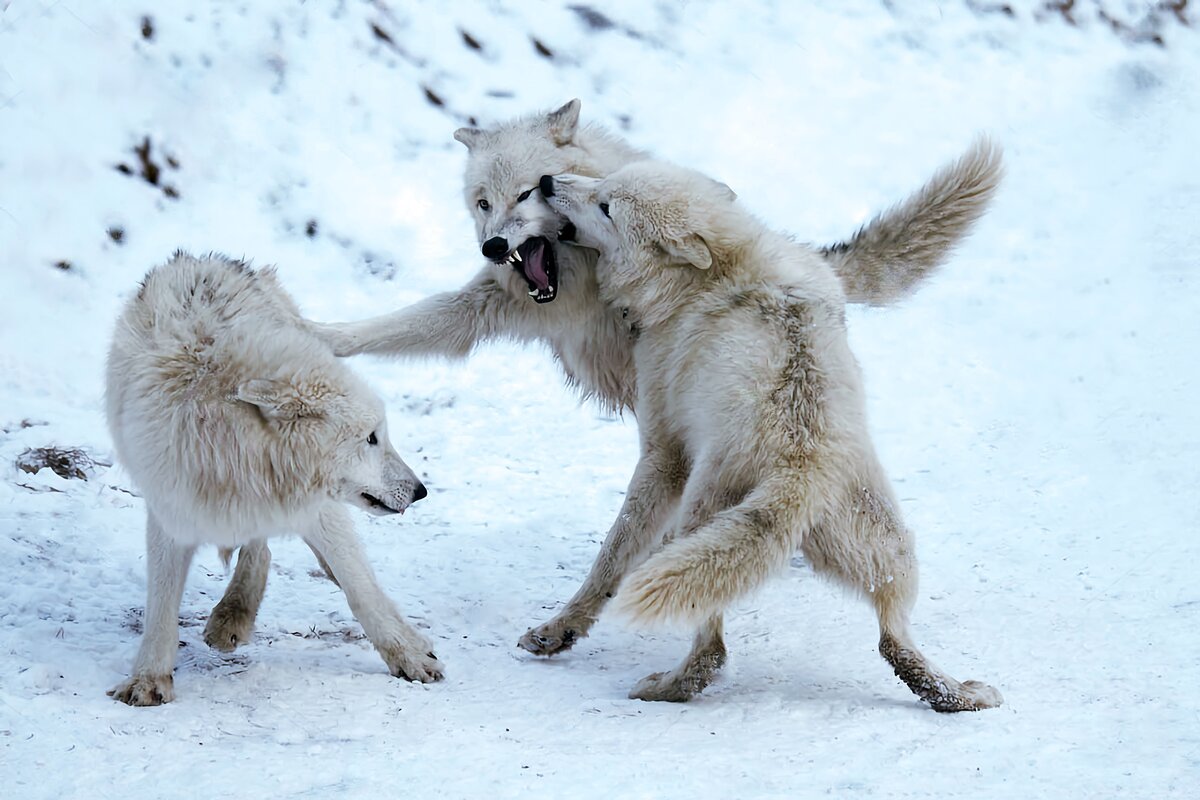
(749, 395)
(237, 424)
(590, 339)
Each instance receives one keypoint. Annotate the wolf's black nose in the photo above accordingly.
(495, 247)
(546, 184)
(420, 492)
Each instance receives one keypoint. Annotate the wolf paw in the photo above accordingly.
(412, 663)
(228, 626)
(145, 690)
(969, 696)
(667, 687)
(553, 637)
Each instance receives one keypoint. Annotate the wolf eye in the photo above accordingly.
(524, 195)
(604, 210)
(372, 439)
(484, 205)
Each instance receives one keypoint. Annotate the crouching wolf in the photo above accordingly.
(534, 288)
(237, 424)
(751, 417)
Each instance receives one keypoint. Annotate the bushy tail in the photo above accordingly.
(896, 250)
(694, 577)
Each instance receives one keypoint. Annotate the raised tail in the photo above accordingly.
(698, 575)
(895, 251)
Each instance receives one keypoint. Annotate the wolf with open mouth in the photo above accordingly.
(537, 286)
(534, 259)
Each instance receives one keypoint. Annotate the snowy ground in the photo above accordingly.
(1035, 404)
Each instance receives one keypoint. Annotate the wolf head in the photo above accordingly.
(647, 220)
(515, 227)
(335, 434)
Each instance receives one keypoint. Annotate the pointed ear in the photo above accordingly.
(469, 136)
(691, 249)
(277, 400)
(724, 189)
(564, 122)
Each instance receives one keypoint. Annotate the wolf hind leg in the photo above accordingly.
(232, 619)
(694, 673)
(866, 546)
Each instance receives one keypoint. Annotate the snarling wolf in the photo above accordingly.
(751, 416)
(238, 424)
(535, 287)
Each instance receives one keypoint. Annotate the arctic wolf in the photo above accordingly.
(535, 289)
(751, 416)
(237, 424)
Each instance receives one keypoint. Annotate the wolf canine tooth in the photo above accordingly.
(516, 255)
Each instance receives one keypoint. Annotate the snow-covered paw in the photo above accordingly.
(412, 663)
(669, 687)
(553, 637)
(970, 696)
(229, 625)
(145, 690)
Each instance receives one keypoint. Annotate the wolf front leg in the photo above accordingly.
(653, 493)
(406, 652)
(166, 571)
(448, 324)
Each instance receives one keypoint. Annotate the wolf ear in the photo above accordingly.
(724, 189)
(690, 249)
(564, 122)
(278, 400)
(469, 136)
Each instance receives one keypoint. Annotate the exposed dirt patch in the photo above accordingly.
(71, 463)
(150, 170)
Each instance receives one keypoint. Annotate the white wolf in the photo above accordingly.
(237, 424)
(535, 289)
(751, 416)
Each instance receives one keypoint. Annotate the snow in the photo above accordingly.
(1034, 404)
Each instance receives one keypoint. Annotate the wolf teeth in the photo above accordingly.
(533, 292)
(516, 255)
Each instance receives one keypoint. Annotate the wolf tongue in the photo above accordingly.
(535, 267)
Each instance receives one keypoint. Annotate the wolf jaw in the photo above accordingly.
(537, 263)
(535, 260)
(377, 507)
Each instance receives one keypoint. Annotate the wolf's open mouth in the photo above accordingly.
(377, 506)
(535, 260)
